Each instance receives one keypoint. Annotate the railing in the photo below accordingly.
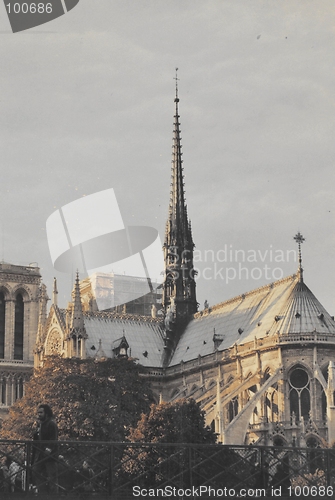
(10, 362)
(130, 470)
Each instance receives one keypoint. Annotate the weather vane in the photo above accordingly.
(299, 239)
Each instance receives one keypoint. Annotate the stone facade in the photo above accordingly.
(20, 298)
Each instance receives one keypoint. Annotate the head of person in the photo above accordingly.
(44, 412)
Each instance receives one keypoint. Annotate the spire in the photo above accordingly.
(179, 298)
(77, 319)
(299, 239)
(42, 317)
(178, 223)
(54, 293)
(77, 333)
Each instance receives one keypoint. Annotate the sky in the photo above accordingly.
(87, 104)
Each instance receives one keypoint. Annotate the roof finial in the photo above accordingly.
(176, 78)
(299, 239)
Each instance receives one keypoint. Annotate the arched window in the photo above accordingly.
(321, 398)
(3, 391)
(18, 329)
(271, 405)
(300, 401)
(19, 388)
(2, 325)
(232, 408)
(274, 406)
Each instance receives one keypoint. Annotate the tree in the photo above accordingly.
(181, 421)
(91, 400)
(175, 423)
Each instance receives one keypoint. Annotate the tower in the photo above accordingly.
(20, 289)
(179, 295)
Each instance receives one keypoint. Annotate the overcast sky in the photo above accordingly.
(87, 104)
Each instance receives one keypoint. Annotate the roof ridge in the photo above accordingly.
(121, 316)
(242, 296)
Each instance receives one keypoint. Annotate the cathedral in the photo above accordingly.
(261, 365)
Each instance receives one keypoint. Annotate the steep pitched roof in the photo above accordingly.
(284, 307)
(144, 336)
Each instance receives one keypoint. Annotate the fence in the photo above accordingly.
(131, 470)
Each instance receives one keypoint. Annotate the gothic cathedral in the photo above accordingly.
(261, 365)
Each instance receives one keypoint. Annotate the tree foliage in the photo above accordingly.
(181, 421)
(90, 400)
(173, 423)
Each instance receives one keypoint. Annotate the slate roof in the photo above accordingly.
(144, 336)
(284, 307)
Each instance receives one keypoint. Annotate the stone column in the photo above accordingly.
(331, 403)
(9, 329)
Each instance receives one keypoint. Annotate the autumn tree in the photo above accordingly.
(175, 423)
(91, 400)
(181, 421)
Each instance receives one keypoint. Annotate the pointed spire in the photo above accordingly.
(179, 297)
(55, 293)
(42, 317)
(77, 319)
(178, 221)
(299, 239)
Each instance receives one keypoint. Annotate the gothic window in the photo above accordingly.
(3, 391)
(2, 325)
(232, 408)
(300, 401)
(18, 331)
(274, 406)
(271, 405)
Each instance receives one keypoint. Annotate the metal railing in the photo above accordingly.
(130, 470)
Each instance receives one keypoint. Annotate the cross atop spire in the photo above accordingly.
(177, 79)
(298, 238)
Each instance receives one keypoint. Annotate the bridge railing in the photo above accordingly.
(128, 470)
